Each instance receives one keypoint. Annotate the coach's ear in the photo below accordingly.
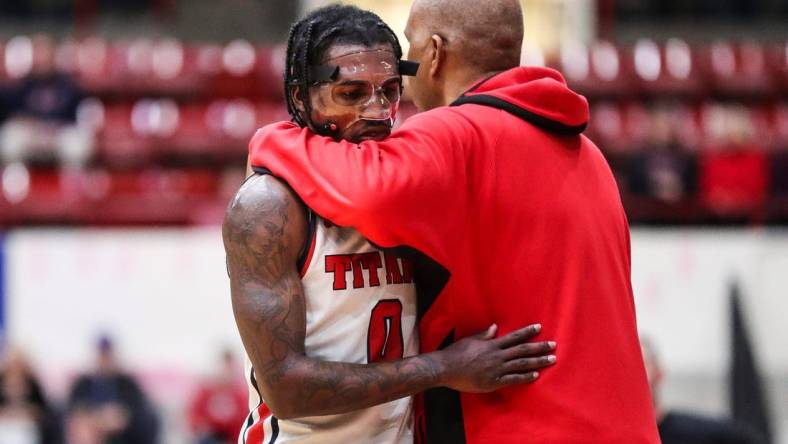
(438, 54)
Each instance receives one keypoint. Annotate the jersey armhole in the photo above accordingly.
(309, 245)
(305, 257)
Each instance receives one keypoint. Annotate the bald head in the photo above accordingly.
(487, 34)
(459, 42)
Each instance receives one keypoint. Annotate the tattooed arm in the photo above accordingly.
(264, 231)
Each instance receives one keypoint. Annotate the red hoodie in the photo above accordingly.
(523, 213)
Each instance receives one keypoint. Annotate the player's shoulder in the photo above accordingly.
(262, 193)
(265, 207)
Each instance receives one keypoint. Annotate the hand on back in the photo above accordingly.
(483, 363)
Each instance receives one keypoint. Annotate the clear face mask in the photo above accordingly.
(366, 84)
(360, 86)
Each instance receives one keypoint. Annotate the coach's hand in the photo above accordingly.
(483, 363)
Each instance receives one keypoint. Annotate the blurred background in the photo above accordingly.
(123, 131)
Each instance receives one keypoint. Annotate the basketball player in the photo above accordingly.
(502, 191)
(328, 319)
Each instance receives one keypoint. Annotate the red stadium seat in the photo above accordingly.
(780, 125)
(777, 61)
(667, 68)
(687, 126)
(98, 65)
(209, 59)
(155, 183)
(237, 77)
(174, 69)
(193, 137)
(762, 119)
(270, 68)
(606, 127)
(149, 196)
(66, 56)
(602, 69)
(45, 185)
(221, 128)
(271, 113)
(155, 118)
(137, 68)
(50, 198)
(737, 68)
(118, 143)
(18, 57)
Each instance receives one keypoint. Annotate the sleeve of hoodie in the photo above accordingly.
(405, 190)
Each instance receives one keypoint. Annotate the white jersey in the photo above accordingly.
(360, 308)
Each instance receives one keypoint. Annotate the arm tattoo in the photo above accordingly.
(263, 234)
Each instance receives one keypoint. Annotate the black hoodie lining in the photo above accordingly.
(528, 116)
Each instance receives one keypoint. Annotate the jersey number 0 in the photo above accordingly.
(384, 337)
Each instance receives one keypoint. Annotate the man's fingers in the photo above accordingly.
(528, 349)
(524, 365)
(521, 378)
(520, 335)
(489, 333)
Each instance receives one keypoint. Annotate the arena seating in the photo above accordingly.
(172, 120)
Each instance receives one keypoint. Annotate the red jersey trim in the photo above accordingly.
(256, 432)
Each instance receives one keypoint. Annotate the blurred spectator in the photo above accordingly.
(663, 169)
(107, 406)
(42, 108)
(688, 428)
(25, 416)
(219, 407)
(733, 168)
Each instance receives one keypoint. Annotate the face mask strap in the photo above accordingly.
(323, 73)
(408, 68)
(329, 73)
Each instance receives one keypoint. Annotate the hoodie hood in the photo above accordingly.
(537, 95)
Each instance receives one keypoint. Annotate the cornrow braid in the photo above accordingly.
(287, 75)
(312, 37)
(305, 81)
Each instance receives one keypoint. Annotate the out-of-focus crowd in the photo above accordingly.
(716, 162)
(154, 131)
(107, 405)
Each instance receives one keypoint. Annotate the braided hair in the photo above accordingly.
(311, 37)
